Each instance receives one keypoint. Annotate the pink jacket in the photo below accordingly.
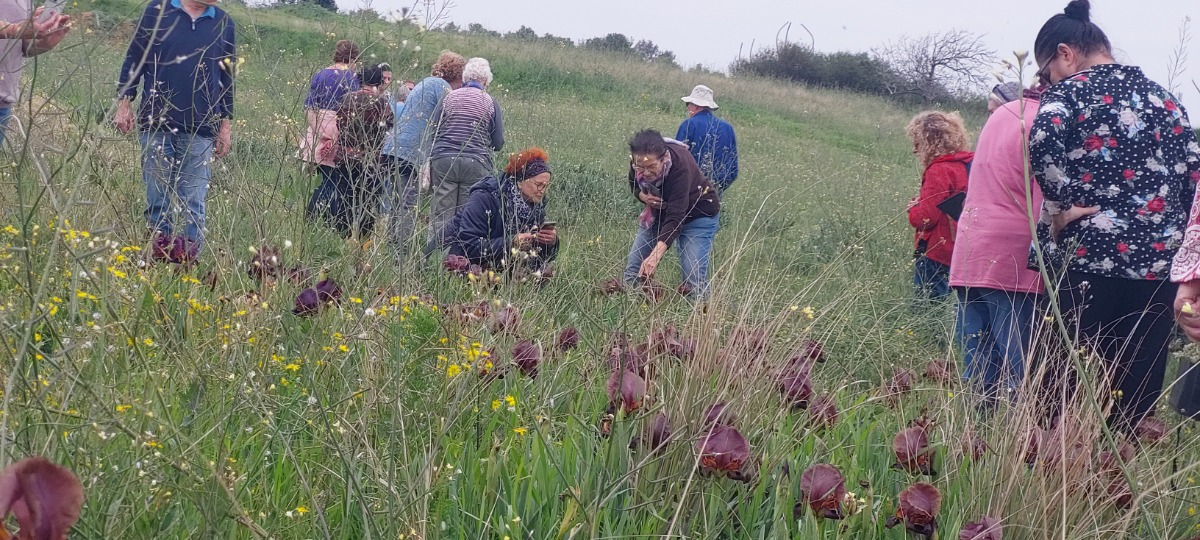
(993, 239)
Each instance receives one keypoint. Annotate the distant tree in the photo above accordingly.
(651, 52)
(478, 30)
(523, 33)
(559, 41)
(937, 65)
(612, 42)
(365, 13)
(647, 49)
(666, 58)
(331, 5)
(451, 28)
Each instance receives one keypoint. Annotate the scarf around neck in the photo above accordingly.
(516, 207)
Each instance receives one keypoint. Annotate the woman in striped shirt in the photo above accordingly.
(468, 129)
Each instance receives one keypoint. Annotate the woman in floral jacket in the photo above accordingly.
(1117, 162)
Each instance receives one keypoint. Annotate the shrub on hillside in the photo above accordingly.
(612, 42)
(795, 62)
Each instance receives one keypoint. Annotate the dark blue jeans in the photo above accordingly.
(931, 279)
(347, 198)
(993, 328)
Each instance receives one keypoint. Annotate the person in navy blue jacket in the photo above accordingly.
(710, 139)
(183, 58)
(503, 218)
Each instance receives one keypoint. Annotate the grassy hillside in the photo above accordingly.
(192, 407)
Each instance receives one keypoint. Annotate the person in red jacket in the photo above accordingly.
(940, 143)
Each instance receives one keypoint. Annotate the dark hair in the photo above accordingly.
(1072, 27)
(647, 141)
(371, 76)
(385, 67)
(345, 52)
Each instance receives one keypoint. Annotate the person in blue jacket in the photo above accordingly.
(503, 219)
(710, 139)
(183, 58)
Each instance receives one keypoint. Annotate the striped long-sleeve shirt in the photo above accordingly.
(469, 125)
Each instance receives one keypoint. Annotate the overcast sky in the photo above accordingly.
(710, 32)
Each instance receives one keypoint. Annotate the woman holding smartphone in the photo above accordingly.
(504, 219)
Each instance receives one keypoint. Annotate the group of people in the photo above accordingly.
(1104, 217)
(370, 148)
(1084, 184)
(370, 142)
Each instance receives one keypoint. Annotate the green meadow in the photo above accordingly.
(192, 403)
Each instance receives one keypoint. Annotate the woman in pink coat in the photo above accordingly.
(996, 292)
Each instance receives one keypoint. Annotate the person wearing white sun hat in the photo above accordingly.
(710, 139)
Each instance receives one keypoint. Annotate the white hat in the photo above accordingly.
(701, 96)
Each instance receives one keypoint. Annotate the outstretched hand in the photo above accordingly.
(1187, 309)
(123, 118)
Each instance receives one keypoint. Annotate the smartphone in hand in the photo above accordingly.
(51, 8)
(548, 226)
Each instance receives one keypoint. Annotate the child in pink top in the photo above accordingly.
(996, 293)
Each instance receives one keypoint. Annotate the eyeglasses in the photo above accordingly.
(1043, 74)
(646, 165)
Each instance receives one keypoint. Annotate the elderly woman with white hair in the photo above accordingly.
(469, 128)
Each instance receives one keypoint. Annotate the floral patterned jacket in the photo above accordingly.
(1110, 137)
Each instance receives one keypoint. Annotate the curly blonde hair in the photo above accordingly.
(936, 133)
(449, 66)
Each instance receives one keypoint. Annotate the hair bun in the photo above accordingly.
(1079, 10)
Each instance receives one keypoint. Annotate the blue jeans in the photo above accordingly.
(5, 112)
(176, 166)
(695, 250)
(993, 328)
(930, 278)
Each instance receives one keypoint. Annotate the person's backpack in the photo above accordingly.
(952, 206)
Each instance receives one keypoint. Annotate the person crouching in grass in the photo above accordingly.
(681, 205)
(503, 223)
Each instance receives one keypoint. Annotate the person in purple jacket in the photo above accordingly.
(183, 57)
